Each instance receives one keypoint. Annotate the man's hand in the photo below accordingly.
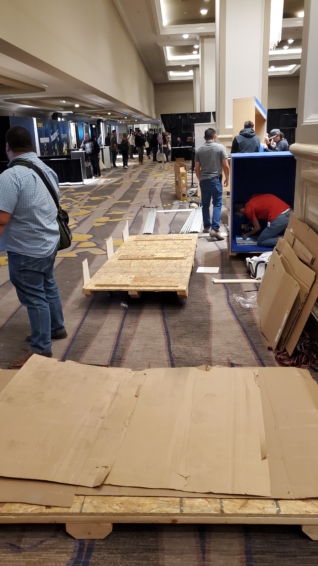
(4, 220)
(226, 183)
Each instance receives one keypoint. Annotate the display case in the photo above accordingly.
(254, 173)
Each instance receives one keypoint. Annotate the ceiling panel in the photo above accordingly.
(292, 7)
(182, 12)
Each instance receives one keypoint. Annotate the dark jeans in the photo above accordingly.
(113, 156)
(141, 154)
(94, 162)
(269, 237)
(154, 152)
(131, 152)
(125, 158)
(211, 189)
(33, 279)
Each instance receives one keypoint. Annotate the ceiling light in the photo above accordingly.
(300, 14)
(125, 117)
(290, 41)
(185, 36)
(204, 12)
(285, 47)
(76, 105)
(196, 47)
(109, 113)
(182, 65)
(194, 52)
(272, 67)
(63, 101)
(47, 86)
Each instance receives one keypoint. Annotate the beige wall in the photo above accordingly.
(173, 97)
(283, 92)
(78, 41)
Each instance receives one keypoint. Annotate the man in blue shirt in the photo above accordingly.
(29, 233)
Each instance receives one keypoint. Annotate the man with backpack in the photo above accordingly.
(29, 233)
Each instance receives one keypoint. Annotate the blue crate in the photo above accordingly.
(251, 173)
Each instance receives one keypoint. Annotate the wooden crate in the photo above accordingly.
(145, 263)
(93, 517)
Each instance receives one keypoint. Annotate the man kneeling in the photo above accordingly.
(267, 207)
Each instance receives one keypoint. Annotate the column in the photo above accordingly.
(242, 55)
(207, 74)
(306, 147)
(196, 89)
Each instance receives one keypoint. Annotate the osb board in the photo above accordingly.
(165, 510)
(148, 263)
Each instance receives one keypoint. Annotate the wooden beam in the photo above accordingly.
(126, 232)
(86, 275)
(89, 530)
(109, 247)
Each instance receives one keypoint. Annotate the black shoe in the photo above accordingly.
(57, 335)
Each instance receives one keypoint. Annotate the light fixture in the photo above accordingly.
(275, 36)
(76, 105)
(194, 52)
(196, 47)
(182, 65)
(285, 47)
(109, 113)
(185, 36)
(204, 12)
(301, 14)
(272, 67)
(290, 41)
(63, 101)
(125, 117)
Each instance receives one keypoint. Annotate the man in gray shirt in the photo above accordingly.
(210, 160)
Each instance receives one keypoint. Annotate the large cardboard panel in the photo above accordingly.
(302, 233)
(36, 492)
(64, 422)
(290, 406)
(5, 377)
(305, 278)
(195, 432)
(276, 297)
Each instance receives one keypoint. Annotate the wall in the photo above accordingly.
(283, 92)
(173, 97)
(78, 41)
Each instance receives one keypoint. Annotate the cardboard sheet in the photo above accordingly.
(36, 492)
(203, 433)
(63, 422)
(276, 297)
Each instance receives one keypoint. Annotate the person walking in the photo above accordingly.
(131, 140)
(140, 144)
(113, 147)
(94, 158)
(87, 145)
(29, 233)
(154, 146)
(210, 161)
(125, 150)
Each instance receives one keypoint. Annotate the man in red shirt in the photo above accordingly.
(268, 207)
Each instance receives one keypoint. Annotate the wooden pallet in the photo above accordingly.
(93, 517)
(145, 263)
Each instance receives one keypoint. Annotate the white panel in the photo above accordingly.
(196, 89)
(207, 74)
(311, 84)
(244, 52)
(199, 133)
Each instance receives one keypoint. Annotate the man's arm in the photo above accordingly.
(234, 146)
(256, 228)
(4, 220)
(197, 169)
(226, 171)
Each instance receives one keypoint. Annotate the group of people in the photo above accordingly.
(211, 161)
(248, 142)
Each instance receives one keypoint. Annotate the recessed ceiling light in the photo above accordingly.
(285, 47)
(182, 65)
(194, 52)
(76, 105)
(290, 41)
(125, 117)
(63, 101)
(109, 113)
(272, 67)
(301, 14)
(196, 47)
(185, 36)
(204, 12)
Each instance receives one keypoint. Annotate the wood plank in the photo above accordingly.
(89, 531)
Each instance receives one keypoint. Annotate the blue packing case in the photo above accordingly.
(252, 173)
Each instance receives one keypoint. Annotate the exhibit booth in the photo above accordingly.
(255, 173)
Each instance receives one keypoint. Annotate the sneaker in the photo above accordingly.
(23, 358)
(206, 230)
(57, 335)
(216, 235)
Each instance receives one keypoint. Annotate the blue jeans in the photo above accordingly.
(37, 291)
(269, 237)
(114, 156)
(212, 189)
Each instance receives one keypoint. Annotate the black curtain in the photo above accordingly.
(285, 119)
(182, 125)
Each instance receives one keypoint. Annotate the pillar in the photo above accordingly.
(305, 149)
(196, 89)
(207, 74)
(242, 55)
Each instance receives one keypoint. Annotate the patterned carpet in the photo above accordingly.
(158, 330)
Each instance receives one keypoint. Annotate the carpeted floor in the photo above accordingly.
(158, 330)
